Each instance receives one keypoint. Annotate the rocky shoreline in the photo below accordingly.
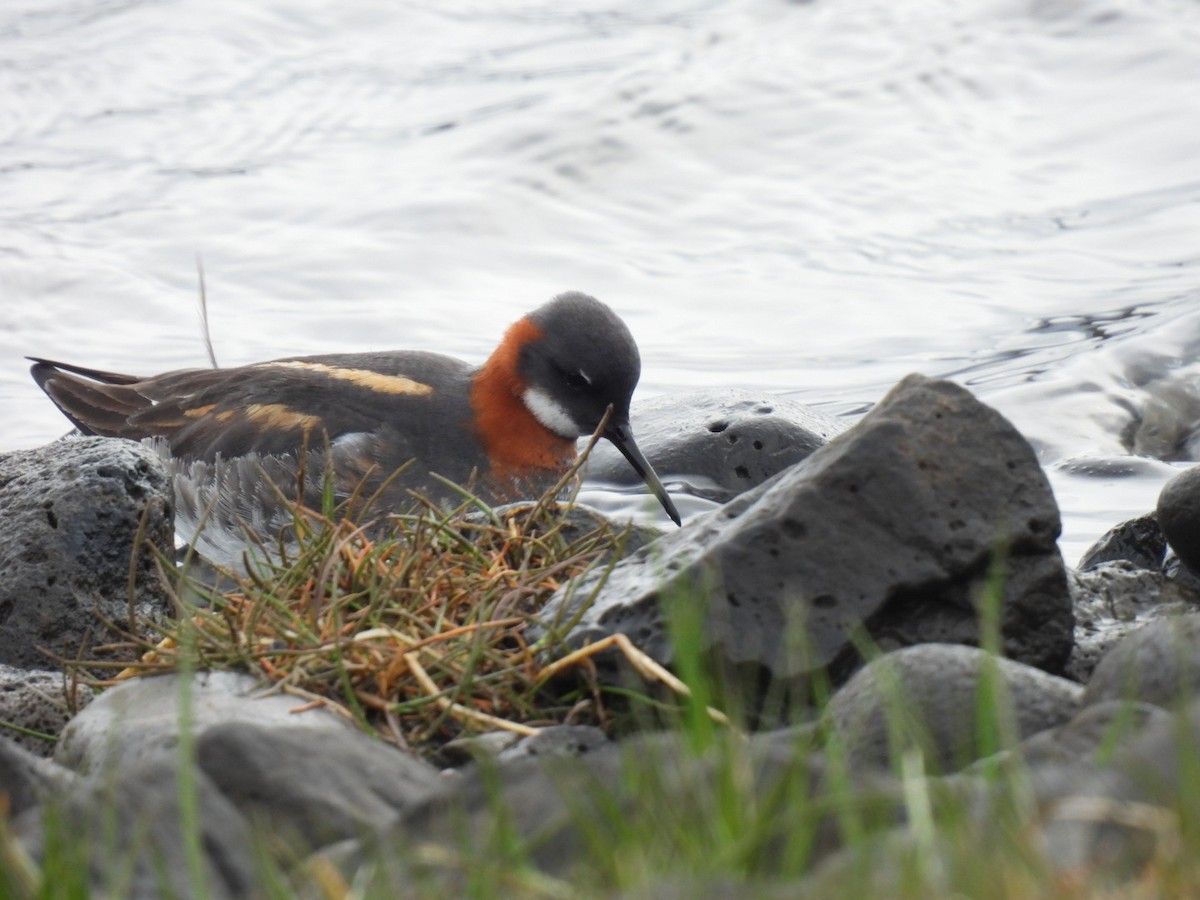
(907, 537)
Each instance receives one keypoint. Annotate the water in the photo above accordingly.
(809, 198)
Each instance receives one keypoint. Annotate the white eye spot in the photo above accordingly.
(550, 413)
(585, 376)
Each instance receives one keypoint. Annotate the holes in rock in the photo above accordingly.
(741, 472)
(51, 515)
(758, 445)
(733, 600)
(795, 529)
(717, 427)
(824, 601)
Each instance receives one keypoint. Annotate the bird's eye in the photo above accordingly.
(576, 380)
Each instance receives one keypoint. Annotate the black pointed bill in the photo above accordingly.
(621, 437)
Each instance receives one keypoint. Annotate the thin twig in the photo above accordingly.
(580, 461)
(208, 344)
(641, 662)
(457, 709)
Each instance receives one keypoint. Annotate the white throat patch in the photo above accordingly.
(550, 413)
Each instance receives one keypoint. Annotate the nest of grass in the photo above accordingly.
(418, 630)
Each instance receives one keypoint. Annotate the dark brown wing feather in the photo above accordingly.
(201, 412)
(265, 408)
(98, 403)
(47, 367)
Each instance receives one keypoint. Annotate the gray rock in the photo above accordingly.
(721, 442)
(27, 780)
(467, 749)
(506, 746)
(1179, 515)
(892, 525)
(140, 718)
(39, 701)
(1081, 823)
(1095, 731)
(929, 697)
(1139, 541)
(563, 808)
(1158, 663)
(560, 740)
(1114, 598)
(1183, 576)
(72, 511)
(1161, 761)
(128, 827)
(312, 784)
(1107, 819)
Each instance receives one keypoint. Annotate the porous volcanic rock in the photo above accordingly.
(41, 701)
(894, 526)
(72, 512)
(1139, 541)
(1113, 598)
(721, 443)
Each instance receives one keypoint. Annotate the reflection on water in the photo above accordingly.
(812, 198)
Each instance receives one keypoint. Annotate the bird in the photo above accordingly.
(507, 428)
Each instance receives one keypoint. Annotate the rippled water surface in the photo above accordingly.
(812, 198)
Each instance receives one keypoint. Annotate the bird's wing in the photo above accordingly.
(267, 408)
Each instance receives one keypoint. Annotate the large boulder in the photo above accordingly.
(891, 533)
(73, 513)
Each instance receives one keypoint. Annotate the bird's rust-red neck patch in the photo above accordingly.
(514, 439)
